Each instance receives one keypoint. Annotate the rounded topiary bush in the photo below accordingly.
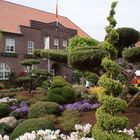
(92, 78)
(4, 109)
(41, 109)
(60, 91)
(30, 125)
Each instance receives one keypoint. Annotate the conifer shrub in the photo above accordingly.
(108, 116)
(41, 109)
(112, 86)
(30, 125)
(4, 109)
(60, 91)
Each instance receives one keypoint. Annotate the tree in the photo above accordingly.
(34, 75)
(127, 37)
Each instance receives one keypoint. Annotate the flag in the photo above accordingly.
(57, 12)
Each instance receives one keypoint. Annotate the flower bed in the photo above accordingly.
(83, 106)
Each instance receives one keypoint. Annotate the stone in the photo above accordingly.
(9, 121)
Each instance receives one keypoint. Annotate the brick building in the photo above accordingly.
(25, 29)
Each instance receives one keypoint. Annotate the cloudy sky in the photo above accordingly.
(90, 15)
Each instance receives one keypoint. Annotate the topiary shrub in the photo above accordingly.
(92, 78)
(30, 125)
(132, 55)
(112, 86)
(41, 109)
(60, 91)
(4, 109)
(108, 116)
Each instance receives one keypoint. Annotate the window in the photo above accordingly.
(4, 71)
(65, 44)
(29, 69)
(56, 43)
(10, 45)
(30, 47)
(47, 42)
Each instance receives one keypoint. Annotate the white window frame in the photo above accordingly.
(30, 45)
(5, 71)
(9, 44)
(65, 44)
(56, 43)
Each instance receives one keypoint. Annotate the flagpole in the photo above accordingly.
(57, 13)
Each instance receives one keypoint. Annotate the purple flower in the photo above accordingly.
(13, 107)
(62, 108)
(23, 104)
(83, 105)
(95, 106)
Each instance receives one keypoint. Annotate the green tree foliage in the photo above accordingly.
(77, 42)
(127, 37)
(34, 76)
(132, 55)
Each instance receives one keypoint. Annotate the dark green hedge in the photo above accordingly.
(132, 54)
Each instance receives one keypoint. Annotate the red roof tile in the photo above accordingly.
(12, 15)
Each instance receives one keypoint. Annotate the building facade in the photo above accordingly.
(25, 29)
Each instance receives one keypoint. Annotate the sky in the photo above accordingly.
(90, 15)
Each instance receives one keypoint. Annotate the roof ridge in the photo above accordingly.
(30, 7)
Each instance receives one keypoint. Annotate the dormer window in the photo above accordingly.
(30, 47)
(56, 43)
(10, 45)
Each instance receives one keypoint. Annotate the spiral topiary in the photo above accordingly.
(108, 116)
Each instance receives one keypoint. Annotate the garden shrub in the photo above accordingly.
(92, 78)
(113, 87)
(1, 86)
(41, 109)
(60, 91)
(30, 125)
(112, 105)
(5, 129)
(4, 109)
(69, 119)
(132, 55)
(21, 98)
(132, 90)
(108, 116)
(96, 91)
(111, 67)
(137, 132)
